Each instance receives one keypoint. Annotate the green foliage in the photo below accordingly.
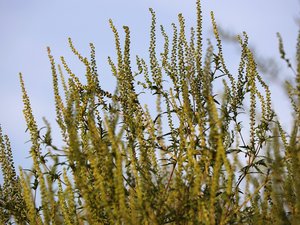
(193, 162)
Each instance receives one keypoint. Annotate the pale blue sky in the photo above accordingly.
(27, 27)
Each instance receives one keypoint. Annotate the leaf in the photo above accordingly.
(233, 150)
(261, 162)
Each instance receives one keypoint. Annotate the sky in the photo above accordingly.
(28, 27)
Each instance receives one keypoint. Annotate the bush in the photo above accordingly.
(193, 162)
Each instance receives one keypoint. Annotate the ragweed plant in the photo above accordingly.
(193, 162)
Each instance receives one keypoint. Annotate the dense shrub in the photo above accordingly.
(200, 159)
